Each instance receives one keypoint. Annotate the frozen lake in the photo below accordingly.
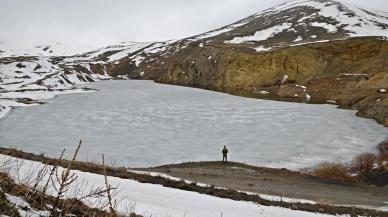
(141, 123)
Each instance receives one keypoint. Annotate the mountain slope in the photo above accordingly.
(290, 24)
(299, 21)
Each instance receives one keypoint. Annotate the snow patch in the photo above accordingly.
(284, 79)
(24, 208)
(308, 97)
(262, 49)
(329, 27)
(217, 31)
(262, 34)
(299, 38)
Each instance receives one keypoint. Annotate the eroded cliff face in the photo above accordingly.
(352, 73)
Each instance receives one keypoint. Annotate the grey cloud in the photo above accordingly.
(102, 22)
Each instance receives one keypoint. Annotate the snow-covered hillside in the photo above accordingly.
(43, 49)
(136, 52)
(26, 79)
(110, 53)
(301, 21)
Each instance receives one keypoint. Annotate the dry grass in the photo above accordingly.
(367, 168)
(364, 163)
(42, 202)
(383, 158)
(332, 171)
(62, 181)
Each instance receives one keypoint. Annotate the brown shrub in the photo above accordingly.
(383, 158)
(364, 162)
(383, 146)
(332, 171)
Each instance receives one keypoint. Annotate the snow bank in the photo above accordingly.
(156, 200)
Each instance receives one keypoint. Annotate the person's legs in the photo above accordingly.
(223, 158)
(226, 158)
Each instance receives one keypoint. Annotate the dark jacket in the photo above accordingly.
(224, 151)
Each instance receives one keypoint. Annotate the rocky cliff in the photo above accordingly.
(352, 73)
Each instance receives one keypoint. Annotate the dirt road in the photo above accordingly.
(278, 182)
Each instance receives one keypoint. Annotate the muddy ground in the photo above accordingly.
(278, 182)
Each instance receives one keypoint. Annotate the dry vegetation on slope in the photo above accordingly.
(53, 191)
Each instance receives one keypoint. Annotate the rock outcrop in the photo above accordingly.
(350, 73)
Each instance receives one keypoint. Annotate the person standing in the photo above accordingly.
(225, 154)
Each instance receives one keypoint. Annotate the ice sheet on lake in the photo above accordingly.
(141, 123)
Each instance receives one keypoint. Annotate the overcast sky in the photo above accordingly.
(102, 22)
